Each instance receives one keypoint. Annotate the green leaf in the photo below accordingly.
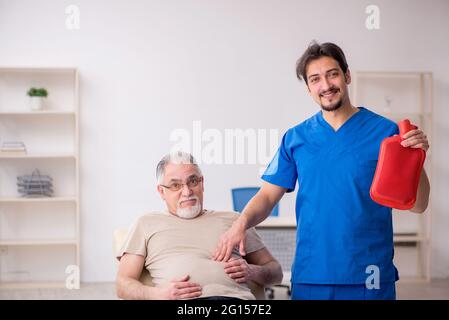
(37, 92)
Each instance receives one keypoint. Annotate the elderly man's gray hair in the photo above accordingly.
(177, 157)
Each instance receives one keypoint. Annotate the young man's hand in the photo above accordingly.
(181, 288)
(229, 240)
(415, 139)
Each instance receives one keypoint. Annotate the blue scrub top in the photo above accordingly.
(341, 230)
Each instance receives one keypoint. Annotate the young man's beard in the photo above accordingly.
(333, 106)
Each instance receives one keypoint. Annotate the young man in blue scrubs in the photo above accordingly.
(344, 245)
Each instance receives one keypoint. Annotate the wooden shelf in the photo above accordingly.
(5, 155)
(38, 200)
(45, 70)
(411, 279)
(402, 115)
(31, 285)
(391, 74)
(411, 238)
(38, 242)
(38, 113)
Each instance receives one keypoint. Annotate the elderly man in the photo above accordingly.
(176, 246)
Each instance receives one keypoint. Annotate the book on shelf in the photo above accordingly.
(13, 147)
(13, 144)
(13, 153)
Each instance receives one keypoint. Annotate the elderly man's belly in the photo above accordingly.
(204, 271)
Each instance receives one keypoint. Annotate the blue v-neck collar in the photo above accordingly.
(344, 126)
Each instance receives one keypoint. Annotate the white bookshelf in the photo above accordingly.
(39, 237)
(397, 96)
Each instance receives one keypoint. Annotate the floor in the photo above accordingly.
(436, 289)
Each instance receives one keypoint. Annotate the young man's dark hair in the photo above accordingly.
(316, 51)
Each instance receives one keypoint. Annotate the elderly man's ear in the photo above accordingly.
(160, 189)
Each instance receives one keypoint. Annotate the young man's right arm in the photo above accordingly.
(256, 211)
(129, 287)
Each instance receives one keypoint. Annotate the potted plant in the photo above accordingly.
(37, 96)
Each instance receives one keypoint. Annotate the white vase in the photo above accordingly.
(36, 103)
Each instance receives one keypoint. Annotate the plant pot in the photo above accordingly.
(36, 103)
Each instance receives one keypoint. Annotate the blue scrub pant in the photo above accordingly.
(387, 291)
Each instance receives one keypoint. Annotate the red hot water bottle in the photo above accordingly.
(398, 170)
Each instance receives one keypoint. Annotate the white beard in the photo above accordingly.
(189, 212)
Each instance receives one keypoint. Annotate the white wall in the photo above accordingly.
(149, 67)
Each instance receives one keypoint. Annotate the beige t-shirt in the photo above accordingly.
(174, 247)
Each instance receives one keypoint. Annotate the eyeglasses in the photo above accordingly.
(191, 183)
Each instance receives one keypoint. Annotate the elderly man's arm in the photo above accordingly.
(259, 266)
(129, 287)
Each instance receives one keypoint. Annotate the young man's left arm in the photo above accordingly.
(258, 266)
(422, 197)
(418, 139)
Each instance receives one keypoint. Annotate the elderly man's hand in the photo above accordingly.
(415, 139)
(181, 289)
(239, 270)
